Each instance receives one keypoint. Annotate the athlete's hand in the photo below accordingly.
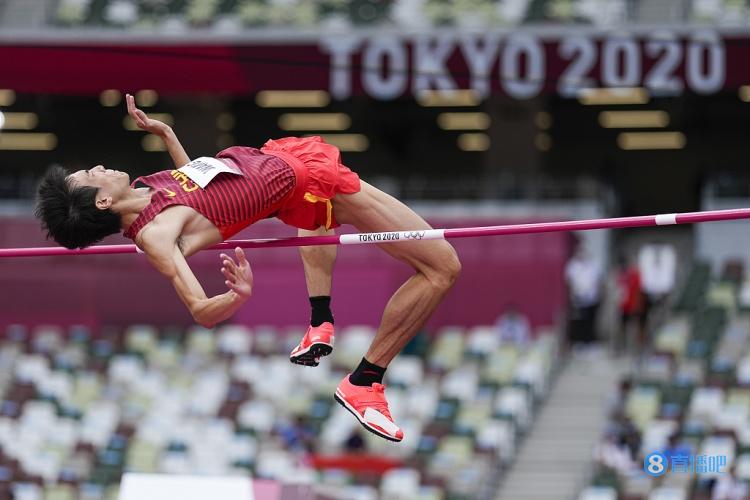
(144, 122)
(239, 276)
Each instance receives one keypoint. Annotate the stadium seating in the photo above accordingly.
(694, 385)
(340, 14)
(79, 408)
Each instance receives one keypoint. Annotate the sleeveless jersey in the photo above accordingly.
(230, 202)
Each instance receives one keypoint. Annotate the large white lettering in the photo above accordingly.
(393, 66)
(430, 57)
(480, 54)
(621, 64)
(341, 50)
(708, 77)
(661, 79)
(530, 84)
(378, 79)
(581, 52)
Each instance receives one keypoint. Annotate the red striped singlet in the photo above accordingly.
(230, 202)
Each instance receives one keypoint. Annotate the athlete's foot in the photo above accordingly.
(368, 404)
(317, 342)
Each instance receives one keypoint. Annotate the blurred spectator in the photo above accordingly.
(298, 435)
(628, 432)
(630, 305)
(614, 454)
(616, 400)
(728, 487)
(583, 277)
(513, 326)
(355, 443)
(658, 266)
(675, 448)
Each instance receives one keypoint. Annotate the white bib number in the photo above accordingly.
(202, 170)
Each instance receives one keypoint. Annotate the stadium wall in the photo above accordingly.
(525, 270)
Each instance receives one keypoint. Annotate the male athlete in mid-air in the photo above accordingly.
(200, 203)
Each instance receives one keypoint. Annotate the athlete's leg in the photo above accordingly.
(435, 263)
(318, 262)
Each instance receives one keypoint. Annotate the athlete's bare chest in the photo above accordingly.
(191, 229)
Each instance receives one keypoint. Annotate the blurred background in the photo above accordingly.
(553, 368)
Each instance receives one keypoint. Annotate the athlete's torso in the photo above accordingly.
(225, 206)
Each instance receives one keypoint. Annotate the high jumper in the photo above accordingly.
(174, 213)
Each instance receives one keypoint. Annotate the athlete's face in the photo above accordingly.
(111, 184)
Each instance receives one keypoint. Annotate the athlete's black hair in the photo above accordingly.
(69, 213)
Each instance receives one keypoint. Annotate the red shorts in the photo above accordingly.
(320, 176)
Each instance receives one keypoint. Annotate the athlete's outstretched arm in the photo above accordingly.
(159, 129)
(167, 258)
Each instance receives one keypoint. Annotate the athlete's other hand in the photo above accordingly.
(144, 122)
(239, 276)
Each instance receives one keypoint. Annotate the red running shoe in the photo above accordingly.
(317, 342)
(368, 404)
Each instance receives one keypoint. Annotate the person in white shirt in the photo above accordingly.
(614, 454)
(583, 277)
(658, 266)
(657, 263)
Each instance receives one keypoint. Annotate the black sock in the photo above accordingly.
(321, 310)
(367, 374)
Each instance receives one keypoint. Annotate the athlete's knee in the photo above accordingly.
(316, 255)
(446, 268)
(452, 265)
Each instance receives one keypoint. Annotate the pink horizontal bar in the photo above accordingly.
(612, 223)
(53, 251)
(465, 232)
(124, 249)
